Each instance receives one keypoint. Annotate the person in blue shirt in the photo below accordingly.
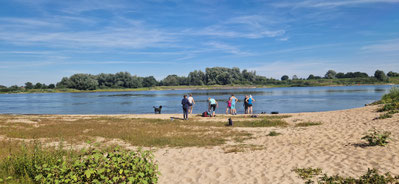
(250, 101)
(185, 104)
(213, 104)
(233, 100)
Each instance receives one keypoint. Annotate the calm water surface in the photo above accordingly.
(284, 100)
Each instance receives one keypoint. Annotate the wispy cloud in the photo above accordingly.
(123, 35)
(329, 4)
(384, 46)
(248, 26)
(226, 48)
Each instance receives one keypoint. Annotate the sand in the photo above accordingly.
(332, 146)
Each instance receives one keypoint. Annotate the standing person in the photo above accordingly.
(185, 105)
(192, 102)
(228, 109)
(212, 105)
(250, 100)
(233, 100)
(246, 104)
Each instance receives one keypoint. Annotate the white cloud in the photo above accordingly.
(124, 35)
(226, 48)
(385, 46)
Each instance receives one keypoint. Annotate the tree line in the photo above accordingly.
(211, 76)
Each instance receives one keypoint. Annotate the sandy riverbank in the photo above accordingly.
(332, 146)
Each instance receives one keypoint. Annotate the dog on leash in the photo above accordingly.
(157, 110)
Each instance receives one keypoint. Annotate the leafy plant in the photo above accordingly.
(92, 166)
(377, 137)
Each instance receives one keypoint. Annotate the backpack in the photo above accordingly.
(205, 114)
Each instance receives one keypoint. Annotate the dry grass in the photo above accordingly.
(306, 124)
(137, 132)
(241, 148)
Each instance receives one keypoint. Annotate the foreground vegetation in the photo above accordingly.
(311, 175)
(390, 103)
(34, 164)
(212, 78)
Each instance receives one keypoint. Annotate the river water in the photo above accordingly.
(283, 100)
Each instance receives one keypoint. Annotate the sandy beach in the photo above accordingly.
(334, 146)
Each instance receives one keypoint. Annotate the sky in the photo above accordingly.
(45, 40)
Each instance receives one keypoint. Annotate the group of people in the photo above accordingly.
(231, 105)
(188, 102)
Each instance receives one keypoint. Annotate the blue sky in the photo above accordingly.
(45, 40)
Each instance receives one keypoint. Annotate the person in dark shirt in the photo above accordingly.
(185, 104)
(246, 104)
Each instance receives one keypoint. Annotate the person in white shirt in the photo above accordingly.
(192, 102)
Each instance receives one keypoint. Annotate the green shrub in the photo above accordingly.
(91, 166)
(391, 103)
(377, 137)
(384, 116)
(371, 177)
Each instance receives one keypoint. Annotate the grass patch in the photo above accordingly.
(372, 176)
(273, 133)
(264, 122)
(138, 132)
(242, 148)
(307, 124)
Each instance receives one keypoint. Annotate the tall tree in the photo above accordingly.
(330, 74)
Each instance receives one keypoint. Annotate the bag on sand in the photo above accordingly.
(205, 114)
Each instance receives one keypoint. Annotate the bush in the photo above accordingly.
(377, 137)
(91, 166)
(371, 177)
(391, 103)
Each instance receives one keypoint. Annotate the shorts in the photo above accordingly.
(233, 106)
(190, 104)
(249, 105)
(213, 106)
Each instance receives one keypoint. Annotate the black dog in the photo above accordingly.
(157, 109)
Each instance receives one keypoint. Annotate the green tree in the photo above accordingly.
(29, 85)
(171, 80)
(340, 75)
(330, 74)
(51, 86)
(380, 75)
(196, 78)
(149, 81)
(38, 85)
(393, 74)
(83, 82)
(65, 83)
(284, 77)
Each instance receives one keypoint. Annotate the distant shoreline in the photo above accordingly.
(163, 88)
